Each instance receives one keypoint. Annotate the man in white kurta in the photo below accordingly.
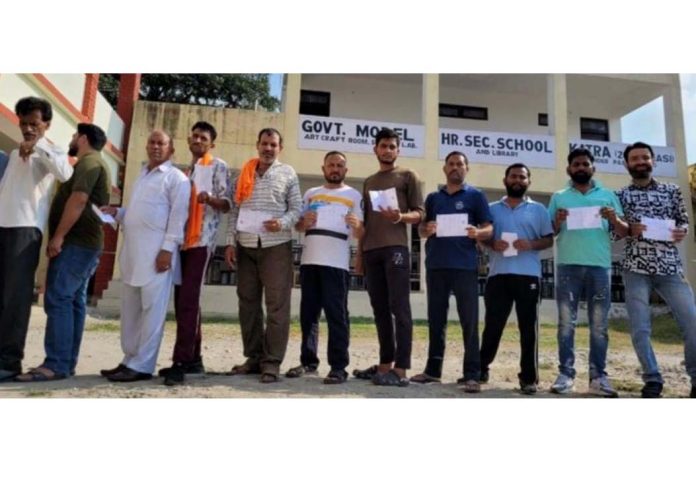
(153, 229)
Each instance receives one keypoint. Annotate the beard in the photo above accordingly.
(641, 173)
(581, 177)
(334, 178)
(515, 191)
(72, 150)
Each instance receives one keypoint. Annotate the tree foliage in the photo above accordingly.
(247, 91)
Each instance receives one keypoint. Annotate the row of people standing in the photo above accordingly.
(265, 204)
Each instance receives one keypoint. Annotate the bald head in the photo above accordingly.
(159, 148)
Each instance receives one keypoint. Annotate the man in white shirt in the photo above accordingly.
(153, 230)
(25, 189)
(331, 214)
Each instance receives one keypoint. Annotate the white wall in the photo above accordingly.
(72, 86)
(379, 97)
(106, 118)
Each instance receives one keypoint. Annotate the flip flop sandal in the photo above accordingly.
(300, 370)
(336, 377)
(424, 379)
(391, 378)
(243, 369)
(39, 374)
(267, 378)
(366, 374)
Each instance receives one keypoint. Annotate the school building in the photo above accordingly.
(496, 119)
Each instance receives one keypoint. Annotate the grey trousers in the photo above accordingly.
(265, 273)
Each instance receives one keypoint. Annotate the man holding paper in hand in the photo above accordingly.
(209, 199)
(456, 217)
(267, 203)
(332, 213)
(583, 215)
(393, 199)
(658, 221)
(522, 228)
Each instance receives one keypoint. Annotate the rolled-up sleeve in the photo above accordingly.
(54, 159)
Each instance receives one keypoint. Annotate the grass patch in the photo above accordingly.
(103, 327)
(38, 393)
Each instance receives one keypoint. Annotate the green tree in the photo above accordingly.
(248, 91)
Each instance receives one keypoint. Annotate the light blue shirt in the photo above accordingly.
(587, 247)
(529, 220)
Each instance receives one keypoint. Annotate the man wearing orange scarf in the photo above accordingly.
(267, 204)
(209, 199)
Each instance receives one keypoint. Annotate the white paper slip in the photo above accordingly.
(658, 229)
(451, 225)
(386, 199)
(252, 221)
(203, 178)
(509, 237)
(332, 217)
(584, 218)
(105, 218)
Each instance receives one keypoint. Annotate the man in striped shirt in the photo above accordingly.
(267, 204)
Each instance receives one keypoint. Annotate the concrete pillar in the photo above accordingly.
(128, 93)
(557, 99)
(89, 98)
(430, 117)
(674, 132)
(291, 109)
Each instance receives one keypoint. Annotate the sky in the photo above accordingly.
(645, 124)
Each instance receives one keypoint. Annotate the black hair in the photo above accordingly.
(518, 165)
(30, 104)
(387, 134)
(638, 144)
(580, 152)
(95, 135)
(270, 132)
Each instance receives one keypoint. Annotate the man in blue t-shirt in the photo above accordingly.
(456, 216)
(522, 228)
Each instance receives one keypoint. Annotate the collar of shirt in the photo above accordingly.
(162, 167)
(651, 185)
(526, 200)
(274, 165)
(594, 185)
(462, 188)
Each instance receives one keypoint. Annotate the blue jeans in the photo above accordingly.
(675, 290)
(594, 280)
(64, 304)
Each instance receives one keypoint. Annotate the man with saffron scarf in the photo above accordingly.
(267, 204)
(209, 199)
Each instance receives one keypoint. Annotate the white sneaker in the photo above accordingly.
(601, 386)
(563, 384)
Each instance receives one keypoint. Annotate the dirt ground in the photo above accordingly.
(223, 349)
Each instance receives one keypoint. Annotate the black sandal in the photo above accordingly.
(336, 377)
(365, 374)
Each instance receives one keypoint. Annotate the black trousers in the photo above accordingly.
(464, 285)
(324, 287)
(19, 257)
(501, 292)
(387, 271)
